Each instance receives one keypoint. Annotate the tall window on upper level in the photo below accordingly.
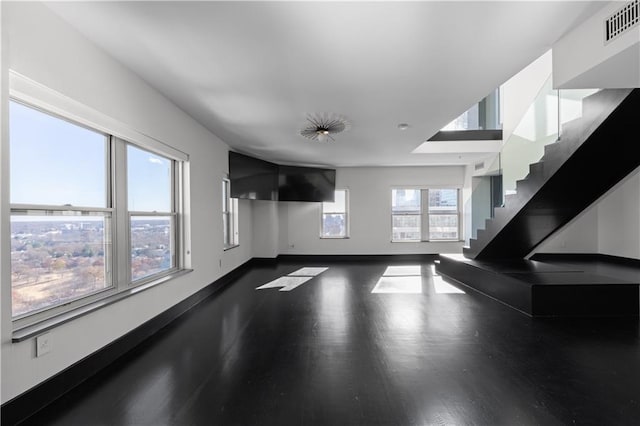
(425, 214)
(91, 214)
(229, 216)
(334, 221)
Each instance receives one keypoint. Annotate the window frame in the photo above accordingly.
(116, 241)
(450, 212)
(230, 232)
(346, 218)
(425, 213)
(172, 215)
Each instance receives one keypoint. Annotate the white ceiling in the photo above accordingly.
(251, 71)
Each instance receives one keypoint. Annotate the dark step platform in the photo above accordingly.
(543, 289)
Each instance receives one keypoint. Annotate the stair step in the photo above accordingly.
(500, 214)
(551, 149)
(528, 187)
(510, 200)
(536, 169)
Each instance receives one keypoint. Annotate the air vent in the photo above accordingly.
(479, 166)
(621, 21)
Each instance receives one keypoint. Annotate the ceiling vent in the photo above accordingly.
(479, 166)
(622, 21)
(322, 127)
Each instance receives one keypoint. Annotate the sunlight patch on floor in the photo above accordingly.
(408, 285)
(443, 287)
(400, 279)
(307, 272)
(293, 280)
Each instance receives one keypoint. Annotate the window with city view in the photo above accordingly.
(334, 221)
(59, 248)
(424, 214)
(405, 215)
(151, 212)
(64, 242)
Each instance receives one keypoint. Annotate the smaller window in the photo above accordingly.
(229, 216)
(152, 213)
(443, 214)
(405, 215)
(334, 222)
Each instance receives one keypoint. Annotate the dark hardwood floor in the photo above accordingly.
(332, 353)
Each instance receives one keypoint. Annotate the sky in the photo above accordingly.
(55, 162)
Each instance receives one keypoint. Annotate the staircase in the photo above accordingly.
(594, 153)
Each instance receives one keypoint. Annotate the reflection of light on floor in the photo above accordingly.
(307, 272)
(433, 270)
(293, 280)
(443, 287)
(287, 283)
(402, 270)
(398, 285)
(400, 279)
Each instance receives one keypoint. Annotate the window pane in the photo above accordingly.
(405, 200)
(337, 206)
(443, 200)
(406, 228)
(226, 230)
(334, 225)
(151, 245)
(55, 259)
(443, 227)
(225, 196)
(149, 181)
(55, 162)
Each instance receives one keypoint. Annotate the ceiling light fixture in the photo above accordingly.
(403, 126)
(322, 127)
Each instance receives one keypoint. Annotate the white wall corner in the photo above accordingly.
(582, 59)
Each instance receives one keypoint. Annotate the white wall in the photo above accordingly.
(44, 48)
(266, 227)
(609, 226)
(580, 57)
(369, 211)
(578, 236)
(619, 219)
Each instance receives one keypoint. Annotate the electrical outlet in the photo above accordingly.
(43, 344)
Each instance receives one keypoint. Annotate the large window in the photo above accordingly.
(425, 214)
(334, 222)
(71, 188)
(229, 216)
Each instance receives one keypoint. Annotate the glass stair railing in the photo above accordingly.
(541, 125)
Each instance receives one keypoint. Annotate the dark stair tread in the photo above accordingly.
(567, 278)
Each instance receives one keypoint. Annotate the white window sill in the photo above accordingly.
(334, 238)
(32, 330)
